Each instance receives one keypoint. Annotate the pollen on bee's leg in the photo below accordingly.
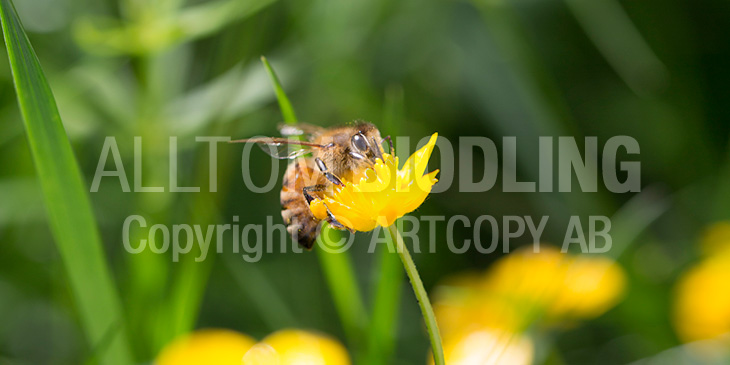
(318, 209)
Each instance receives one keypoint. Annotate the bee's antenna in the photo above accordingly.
(278, 141)
(390, 144)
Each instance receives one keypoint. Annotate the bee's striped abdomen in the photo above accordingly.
(300, 222)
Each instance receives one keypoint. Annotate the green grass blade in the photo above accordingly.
(69, 211)
(209, 17)
(635, 217)
(337, 267)
(287, 111)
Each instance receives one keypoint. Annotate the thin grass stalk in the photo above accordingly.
(337, 267)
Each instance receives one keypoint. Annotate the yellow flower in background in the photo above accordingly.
(225, 347)
(592, 286)
(702, 296)
(483, 316)
(261, 354)
(488, 347)
(526, 279)
(526, 286)
(702, 301)
(211, 347)
(461, 305)
(382, 194)
(559, 285)
(296, 347)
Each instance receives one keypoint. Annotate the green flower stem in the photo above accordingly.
(421, 295)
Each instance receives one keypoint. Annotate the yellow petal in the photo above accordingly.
(261, 354)
(213, 346)
(415, 166)
(488, 346)
(702, 304)
(302, 347)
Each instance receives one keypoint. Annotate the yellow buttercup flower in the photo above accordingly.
(559, 285)
(296, 347)
(702, 304)
(478, 328)
(526, 279)
(701, 311)
(461, 305)
(381, 194)
(592, 285)
(212, 347)
(261, 354)
(524, 287)
(488, 347)
(483, 316)
(225, 347)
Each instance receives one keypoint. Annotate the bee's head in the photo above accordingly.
(351, 149)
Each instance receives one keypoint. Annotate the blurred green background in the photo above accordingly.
(655, 70)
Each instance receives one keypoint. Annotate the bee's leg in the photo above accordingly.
(307, 189)
(332, 220)
(390, 144)
(323, 168)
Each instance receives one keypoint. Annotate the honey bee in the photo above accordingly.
(322, 157)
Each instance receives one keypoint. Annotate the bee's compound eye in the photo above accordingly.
(359, 142)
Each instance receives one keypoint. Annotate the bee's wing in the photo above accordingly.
(300, 129)
(282, 148)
